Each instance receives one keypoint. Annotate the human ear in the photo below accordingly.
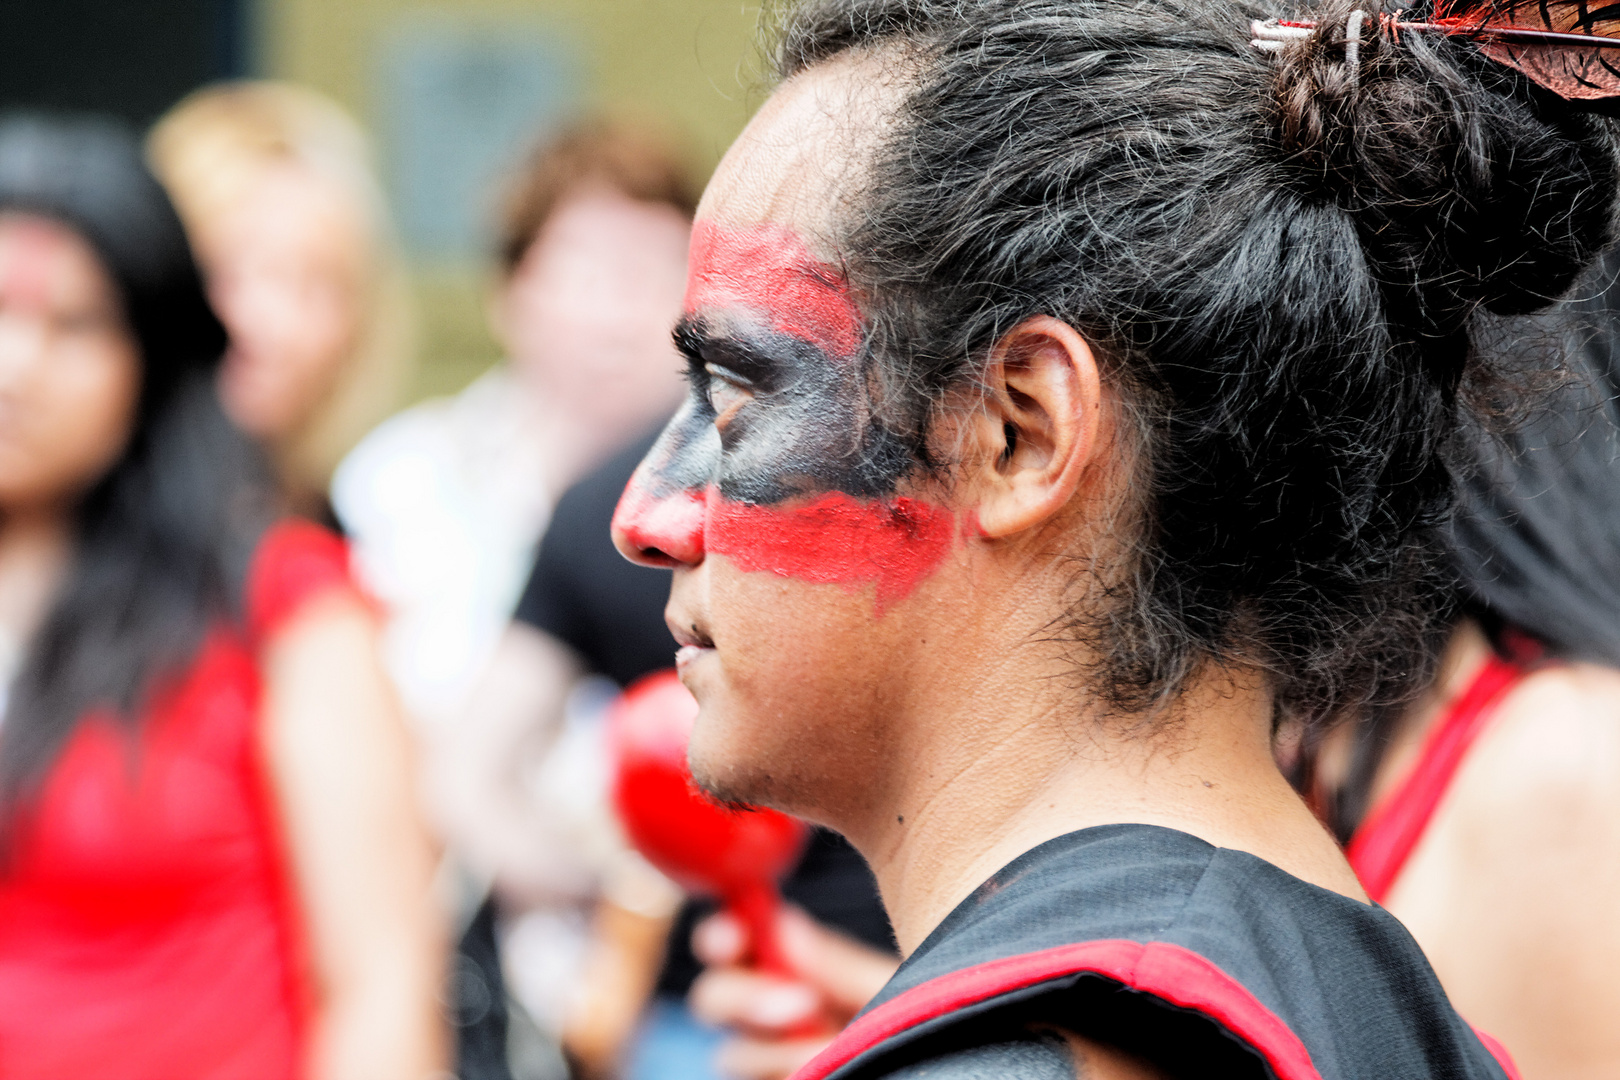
(1037, 427)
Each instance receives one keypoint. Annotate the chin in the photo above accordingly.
(724, 768)
(739, 760)
(790, 713)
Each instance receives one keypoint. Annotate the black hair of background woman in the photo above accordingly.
(162, 540)
(1534, 539)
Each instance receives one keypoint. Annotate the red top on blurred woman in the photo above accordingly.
(147, 915)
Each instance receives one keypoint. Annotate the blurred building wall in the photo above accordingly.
(455, 91)
(131, 58)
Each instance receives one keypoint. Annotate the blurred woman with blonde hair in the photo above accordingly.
(275, 186)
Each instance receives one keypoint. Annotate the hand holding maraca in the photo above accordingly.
(777, 1024)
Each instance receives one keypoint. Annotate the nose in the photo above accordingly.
(659, 528)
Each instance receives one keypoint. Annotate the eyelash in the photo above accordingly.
(697, 372)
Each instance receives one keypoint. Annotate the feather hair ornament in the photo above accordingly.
(1570, 47)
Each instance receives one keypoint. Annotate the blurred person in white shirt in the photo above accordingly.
(446, 501)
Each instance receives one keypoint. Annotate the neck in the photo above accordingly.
(1009, 759)
(1465, 654)
(34, 547)
(569, 443)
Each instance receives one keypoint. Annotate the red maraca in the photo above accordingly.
(735, 855)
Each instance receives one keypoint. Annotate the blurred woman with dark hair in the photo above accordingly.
(1487, 816)
(211, 867)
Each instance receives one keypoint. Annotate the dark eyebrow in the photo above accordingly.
(752, 361)
(689, 336)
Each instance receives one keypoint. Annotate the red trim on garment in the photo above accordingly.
(1500, 1053)
(296, 560)
(1170, 972)
(1379, 849)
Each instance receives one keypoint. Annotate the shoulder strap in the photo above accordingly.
(295, 560)
(1170, 972)
(1379, 849)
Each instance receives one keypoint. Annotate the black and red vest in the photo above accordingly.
(1206, 961)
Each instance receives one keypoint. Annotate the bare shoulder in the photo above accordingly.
(1547, 770)
(1513, 889)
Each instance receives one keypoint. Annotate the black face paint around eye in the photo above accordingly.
(801, 479)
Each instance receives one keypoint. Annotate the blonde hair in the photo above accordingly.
(208, 150)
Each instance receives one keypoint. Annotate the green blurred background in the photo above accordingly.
(453, 92)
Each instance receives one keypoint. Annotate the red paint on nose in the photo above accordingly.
(769, 269)
(659, 530)
(837, 539)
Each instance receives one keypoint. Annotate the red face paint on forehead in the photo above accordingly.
(769, 270)
(34, 250)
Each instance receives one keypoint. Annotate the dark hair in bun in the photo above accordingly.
(1470, 186)
(1279, 262)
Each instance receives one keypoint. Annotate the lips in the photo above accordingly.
(687, 655)
(689, 636)
(693, 640)
(693, 647)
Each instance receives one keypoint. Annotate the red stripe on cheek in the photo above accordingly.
(769, 270)
(837, 540)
